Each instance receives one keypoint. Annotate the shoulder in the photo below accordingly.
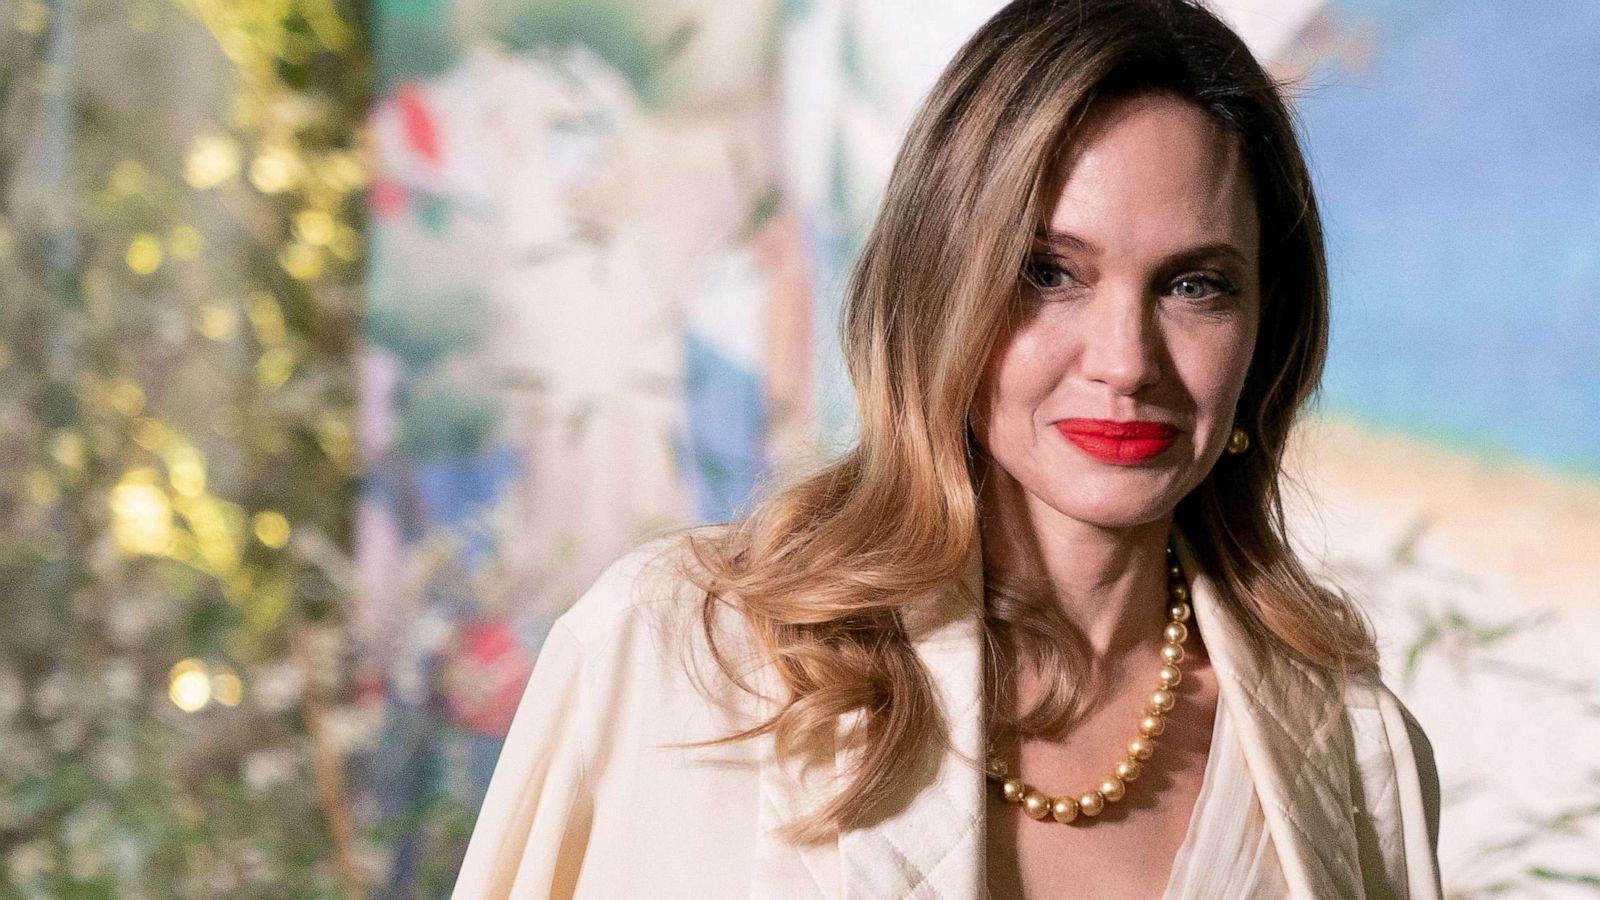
(643, 624)
(635, 585)
(654, 584)
(1367, 693)
(596, 731)
(1383, 726)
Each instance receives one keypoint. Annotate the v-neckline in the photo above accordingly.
(1208, 785)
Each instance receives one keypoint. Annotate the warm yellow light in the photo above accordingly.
(142, 514)
(274, 367)
(334, 436)
(188, 686)
(272, 528)
(344, 171)
(127, 397)
(314, 226)
(226, 688)
(68, 449)
(218, 322)
(149, 433)
(326, 24)
(273, 171)
(213, 539)
(186, 469)
(346, 243)
(144, 254)
(303, 262)
(213, 159)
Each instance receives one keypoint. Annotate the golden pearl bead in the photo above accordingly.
(1035, 804)
(1091, 804)
(1064, 809)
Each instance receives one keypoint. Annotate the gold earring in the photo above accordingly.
(1239, 441)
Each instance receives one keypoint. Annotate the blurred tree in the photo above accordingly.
(180, 190)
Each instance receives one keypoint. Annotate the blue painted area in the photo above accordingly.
(1461, 191)
(454, 491)
(833, 244)
(722, 458)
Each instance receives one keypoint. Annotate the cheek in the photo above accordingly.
(1212, 368)
(1023, 372)
(1009, 386)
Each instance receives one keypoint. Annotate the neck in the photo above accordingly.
(1109, 582)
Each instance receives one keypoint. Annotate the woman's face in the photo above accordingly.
(1143, 305)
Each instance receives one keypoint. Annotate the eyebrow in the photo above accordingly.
(1069, 241)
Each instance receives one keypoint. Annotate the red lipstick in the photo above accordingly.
(1121, 443)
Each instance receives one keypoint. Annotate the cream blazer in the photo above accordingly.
(588, 800)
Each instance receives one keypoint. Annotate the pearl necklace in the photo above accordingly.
(1068, 807)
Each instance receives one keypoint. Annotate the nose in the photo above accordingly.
(1121, 348)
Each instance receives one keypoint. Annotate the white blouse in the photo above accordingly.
(1227, 852)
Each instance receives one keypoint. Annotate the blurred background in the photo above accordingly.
(342, 345)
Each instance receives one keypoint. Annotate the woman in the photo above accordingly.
(1039, 633)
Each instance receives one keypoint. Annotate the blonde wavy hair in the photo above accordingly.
(822, 567)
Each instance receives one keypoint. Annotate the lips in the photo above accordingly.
(1118, 442)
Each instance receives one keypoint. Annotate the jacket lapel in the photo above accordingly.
(1291, 723)
(930, 844)
(789, 790)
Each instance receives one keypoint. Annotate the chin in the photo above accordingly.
(1123, 510)
(1124, 521)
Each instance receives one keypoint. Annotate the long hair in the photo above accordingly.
(821, 568)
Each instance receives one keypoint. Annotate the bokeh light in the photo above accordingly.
(272, 529)
(188, 686)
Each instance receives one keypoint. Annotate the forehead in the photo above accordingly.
(1154, 172)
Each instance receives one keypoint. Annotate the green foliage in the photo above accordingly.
(176, 329)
